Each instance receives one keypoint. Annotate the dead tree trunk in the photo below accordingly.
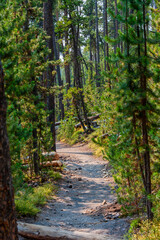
(32, 231)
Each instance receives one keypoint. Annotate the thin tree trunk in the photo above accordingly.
(8, 224)
(48, 27)
(91, 42)
(35, 135)
(67, 66)
(60, 82)
(106, 45)
(104, 32)
(138, 152)
(35, 154)
(122, 45)
(97, 48)
(146, 154)
(116, 26)
(77, 74)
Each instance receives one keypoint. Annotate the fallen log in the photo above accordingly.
(92, 118)
(57, 124)
(32, 231)
(51, 155)
(51, 164)
(77, 125)
(104, 135)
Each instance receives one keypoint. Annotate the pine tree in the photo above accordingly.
(134, 94)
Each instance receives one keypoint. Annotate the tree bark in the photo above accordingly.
(33, 231)
(91, 42)
(116, 25)
(8, 225)
(60, 82)
(97, 48)
(78, 78)
(67, 66)
(146, 155)
(106, 45)
(34, 133)
(48, 27)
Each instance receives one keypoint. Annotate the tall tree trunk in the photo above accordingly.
(77, 74)
(97, 48)
(122, 29)
(60, 82)
(91, 42)
(106, 45)
(105, 23)
(67, 66)
(35, 135)
(48, 27)
(35, 154)
(146, 155)
(8, 224)
(116, 26)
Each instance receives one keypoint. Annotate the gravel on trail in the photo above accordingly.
(85, 192)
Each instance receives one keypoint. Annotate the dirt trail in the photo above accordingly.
(83, 194)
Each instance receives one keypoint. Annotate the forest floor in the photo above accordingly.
(85, 200)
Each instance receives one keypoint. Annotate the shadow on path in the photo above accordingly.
(82, 188)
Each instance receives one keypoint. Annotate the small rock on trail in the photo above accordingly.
(83, 190)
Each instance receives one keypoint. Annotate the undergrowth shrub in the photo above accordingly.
(96, 143)
(17, 174)
(68, 133)
(55, 175)
(28, 200)
(144, 230)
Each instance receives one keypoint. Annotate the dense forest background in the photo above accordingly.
(91, 70)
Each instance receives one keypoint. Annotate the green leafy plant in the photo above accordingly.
(28, 200)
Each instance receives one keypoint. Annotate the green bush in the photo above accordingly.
(146, 230)
(17, 174)
(54, 175)
(66, 129)
(68, 133)
(28, 200)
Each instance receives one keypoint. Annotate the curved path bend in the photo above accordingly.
(84, 188)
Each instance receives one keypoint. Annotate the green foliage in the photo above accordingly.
(18, 174)
(125, 148)
(23, 52)
(146, 230)
(134, 224)
(78, 136)
(119, 100)
(66, 128)
(28, 200)
(55, 175)
(67, 132)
